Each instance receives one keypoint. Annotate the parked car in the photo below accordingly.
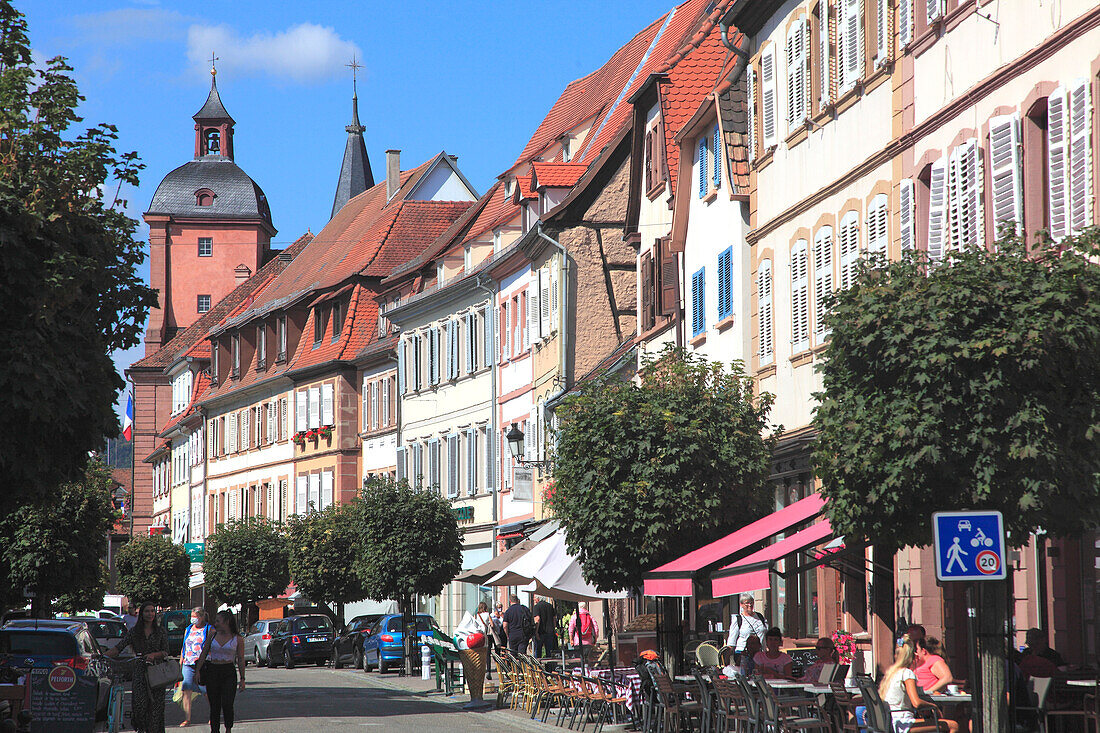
(383, 646)
(42, 643)
(301, 639)
(348, 647)
(175, 623)
(257, 639)
(108, 632)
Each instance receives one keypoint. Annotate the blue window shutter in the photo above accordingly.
(698, 293)
(725, 284)
(717, 157)
(702, 167)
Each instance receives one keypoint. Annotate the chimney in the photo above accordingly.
(393, 173)
(241, 273)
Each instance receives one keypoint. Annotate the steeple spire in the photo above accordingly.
(355, 172)
(213, 125)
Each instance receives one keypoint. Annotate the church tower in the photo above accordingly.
(355, 172)
(209, 227)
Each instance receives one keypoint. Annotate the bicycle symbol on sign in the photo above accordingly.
(979, 539)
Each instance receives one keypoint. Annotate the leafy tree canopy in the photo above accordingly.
(153, 569)
(410, 543)
(246, 560)
(56, 545)
(974, 386)
(645, 472)
(70, 284)
(323, 547)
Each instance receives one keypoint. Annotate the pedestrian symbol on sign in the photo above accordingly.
(953, 553)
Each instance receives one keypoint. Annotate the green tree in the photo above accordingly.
(644, 472)
(55, 546)
(70, 283)
(409, 545)
(246, 560)
(323, 547)
(972, 386)
(153, 569)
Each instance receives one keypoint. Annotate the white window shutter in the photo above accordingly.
(315, 490)
(1004, 161)
(401, 367)
(905, 21)
(906, 215)
(768, 104)
(301, 494)
(299, 411)
(402, 471)
(529, 439)
(452, 465)
(314, 407)
(1080, 156)
(849, 248)
(533, 308)
(210, 439)
(878, 233)
(764, 324)
(447, 348)
(883, 33)
(232, 432)
(797, 48)
(544, 301)
(823, 276)
(246, 432)
(1058, 129)
(965, 196)
(825, 57)
(850, 34)
(326, 489)
(327, 417)
(272, 410)
(934, 9)
(488, 317)
(555, 297)
(800, 297)
(937, 210)
(752, 112)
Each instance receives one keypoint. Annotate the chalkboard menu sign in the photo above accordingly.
(802, 658)
(62, 700)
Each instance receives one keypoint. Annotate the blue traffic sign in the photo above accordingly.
(969, 545)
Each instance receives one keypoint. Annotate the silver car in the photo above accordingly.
(257, 639)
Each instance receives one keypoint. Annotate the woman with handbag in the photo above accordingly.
(150, 643)
(222, 656)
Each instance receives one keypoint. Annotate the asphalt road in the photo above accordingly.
(322, 699)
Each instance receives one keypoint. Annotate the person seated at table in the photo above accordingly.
(826, 654)
(933, 673)
(899, 690)
(773, 663)
(1038, 659)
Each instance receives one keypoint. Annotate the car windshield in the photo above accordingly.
(177, 622)
(38, 643)
(106, 629)
(423, 623)
(314, 623)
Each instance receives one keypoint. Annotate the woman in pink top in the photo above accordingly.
(933, 674)
(582, 627)
(771, 662)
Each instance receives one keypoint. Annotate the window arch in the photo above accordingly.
(204, 197)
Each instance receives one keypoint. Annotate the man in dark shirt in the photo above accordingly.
(513, 625)
(545, 638)
(1038, 659)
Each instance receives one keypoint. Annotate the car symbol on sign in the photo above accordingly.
(964, 524)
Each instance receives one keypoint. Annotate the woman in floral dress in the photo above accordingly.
(150, 643)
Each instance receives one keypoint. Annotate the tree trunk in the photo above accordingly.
(992, 624)
(409, 632)
(40, 606)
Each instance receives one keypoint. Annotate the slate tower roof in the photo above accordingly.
(355, 173)
(213, 110)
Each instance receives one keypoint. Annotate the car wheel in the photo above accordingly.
(256, 656)
(381, 665)
(288, 661)
(322, 662)
(358, 656)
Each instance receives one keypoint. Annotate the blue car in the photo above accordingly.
(383, 645)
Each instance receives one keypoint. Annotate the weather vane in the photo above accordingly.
(213, 69)
(354, 68)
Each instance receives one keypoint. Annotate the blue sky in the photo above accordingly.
(471, 78)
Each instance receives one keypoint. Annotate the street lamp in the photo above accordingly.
(514, 436)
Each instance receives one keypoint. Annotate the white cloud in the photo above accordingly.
(301, 53)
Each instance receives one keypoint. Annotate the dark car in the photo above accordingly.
(348, 647)
(300, 639)
(383, 645)
(48, 644)
(175, 623)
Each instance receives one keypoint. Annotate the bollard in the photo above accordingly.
(425, 661)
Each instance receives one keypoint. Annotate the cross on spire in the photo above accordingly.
(354, 66)
(213, 68)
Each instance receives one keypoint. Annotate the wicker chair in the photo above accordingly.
(707, 655)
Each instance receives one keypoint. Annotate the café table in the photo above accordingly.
(1082, 683)
(948, 699)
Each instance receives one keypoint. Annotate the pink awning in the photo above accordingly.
(675, 578)
(753, 572)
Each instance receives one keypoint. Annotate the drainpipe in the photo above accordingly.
(490, 457)
(742, 54)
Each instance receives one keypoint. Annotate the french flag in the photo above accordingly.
(128, 421)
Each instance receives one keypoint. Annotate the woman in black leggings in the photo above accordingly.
(223, 655)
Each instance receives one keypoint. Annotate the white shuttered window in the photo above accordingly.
(884, 33)
(1004, 160)
(905, 22)
(937, 210)
(766, 346)
(906, 215)
(327, 417)
(1058, 163)
(848, 241)
(768, 103)
(825, 56)
(798, 74)
(1080, 157)
(850, 37)
(800, 297)
(964, 187)
(878, 233)
(823, 277)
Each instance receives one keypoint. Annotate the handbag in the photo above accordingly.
(200, 673)
(164, 673)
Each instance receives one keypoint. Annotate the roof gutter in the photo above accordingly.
(741, 52)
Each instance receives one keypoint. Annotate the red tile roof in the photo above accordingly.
(498, 210)
(557, 175)
(416, 225)
(523, 190)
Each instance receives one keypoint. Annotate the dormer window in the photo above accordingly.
(204, 197)
(566, 154)
(337, 319)
(320, 318)
(213, 140)
(236, 343)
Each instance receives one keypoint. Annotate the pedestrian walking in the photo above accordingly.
(130, 617)
(582, 628)
(743, 624)
(223, 655)
(194, 639)
(519, 626)
(484, 623)
(546, 641)
(150, 644)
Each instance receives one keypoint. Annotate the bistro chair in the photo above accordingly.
(707, 655)
(787, 716)
(753, 710)
(673, 711)
(706, 697)
(1033, 713)
(1088, 713)
(844, 712)
(827, 671)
